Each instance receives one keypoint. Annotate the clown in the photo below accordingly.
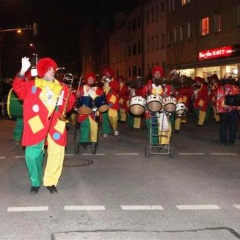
(45, 100)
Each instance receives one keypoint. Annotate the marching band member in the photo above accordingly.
(88, 119)
(200, 100)
(45, 102)
(228, 112)
(111, 88)
(155, 87)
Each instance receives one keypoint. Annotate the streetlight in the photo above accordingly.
(33, 27)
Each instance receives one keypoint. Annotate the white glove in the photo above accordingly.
(25, 65)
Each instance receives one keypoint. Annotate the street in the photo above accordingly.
(119, 193)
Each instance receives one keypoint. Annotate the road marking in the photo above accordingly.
(19, 156)
(2, 157)
(237, 206)
(142, 207)
(191, 153)
(27, 209)
(85, 208)
(199, 207)
(98, 154)
(124, 154)
(224, 154)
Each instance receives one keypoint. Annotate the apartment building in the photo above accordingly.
(193, 37)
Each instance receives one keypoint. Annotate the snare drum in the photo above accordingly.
(84, 105)
(14, 105)
(154, 103)
(101, 103)
(137, 105)
(180, 109)
(170, 104)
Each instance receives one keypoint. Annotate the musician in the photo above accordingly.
(111, 88)
(229, 114)
(212, 95)
(45, 101)
(89, 120)
(200, 100)
(156, 86)
(124, 96)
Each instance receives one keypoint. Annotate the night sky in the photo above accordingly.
(59, 22)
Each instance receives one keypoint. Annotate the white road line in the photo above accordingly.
(2, 157)
(224, 154)
(199, 207)
(124, 154)
(191, 153)
(27, 209)
(19, 156)
(84, 208)
(142, 207)
(90, 154)
(237, 206)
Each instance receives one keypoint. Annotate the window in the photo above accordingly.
(134, 49)
(156, 42)
(152, 15)
(162, 40)
(129, 50)
(139, 46)
(152, 44)
(156, 13)
(171, 5)
(217, 23)
(168, 38)
(162, 7)
(148, 45)
(238, 15)
(174, 35)
(181, 32)
(189, 30)
(147, 17)
(184, 2)
(204, 26)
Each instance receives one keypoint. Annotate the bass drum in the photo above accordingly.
(84, 105)
(137, 105)
(101, 103)
(170, 104)
(154, 103)
(14, 105)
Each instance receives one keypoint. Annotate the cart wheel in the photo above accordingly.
(76, 148)
(172, 153)
(147, 150)
(94, 148)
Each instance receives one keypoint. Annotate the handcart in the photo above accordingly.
(156, 130)
(84, 145)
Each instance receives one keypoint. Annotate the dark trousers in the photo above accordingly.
(228, 127)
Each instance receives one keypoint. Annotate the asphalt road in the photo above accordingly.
(119, 193)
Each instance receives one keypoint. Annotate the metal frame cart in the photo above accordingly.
(162, 149)
(94, 145)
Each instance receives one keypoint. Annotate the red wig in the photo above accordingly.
(90, 75)
(108, 71)
(44, 64)
(199, 80)
(158, 68)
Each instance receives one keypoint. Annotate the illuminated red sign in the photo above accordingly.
(215, 53)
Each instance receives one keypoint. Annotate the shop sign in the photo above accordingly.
(225, 51)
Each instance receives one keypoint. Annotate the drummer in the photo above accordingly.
(156, 86)
(88, 121)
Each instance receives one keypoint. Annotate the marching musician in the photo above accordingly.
(228, 111)
(89, 120)
(111, 88)
(200, 100)
(45, 102)
(155, 86)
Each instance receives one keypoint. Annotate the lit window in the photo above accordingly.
(184, 2)
(217, 23)
(204, 26)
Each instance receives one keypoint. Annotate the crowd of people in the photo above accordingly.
(99, 103)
